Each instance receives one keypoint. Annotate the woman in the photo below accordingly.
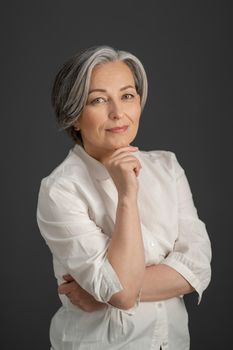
(126, 239)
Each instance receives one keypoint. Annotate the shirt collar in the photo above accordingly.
(96, 168)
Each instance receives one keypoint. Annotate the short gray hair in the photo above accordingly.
(71, 85)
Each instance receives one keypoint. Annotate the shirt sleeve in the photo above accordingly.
(74, 239)
(191, 255)
(133, 309)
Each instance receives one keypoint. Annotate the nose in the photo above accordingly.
(115, 110)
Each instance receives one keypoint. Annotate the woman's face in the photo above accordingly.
(112, 102)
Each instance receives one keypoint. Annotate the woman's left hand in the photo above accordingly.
(79, 296)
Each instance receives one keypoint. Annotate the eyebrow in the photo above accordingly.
(103, 90)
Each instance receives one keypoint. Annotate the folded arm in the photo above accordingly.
(191, 254)
(104, 267)
(160, 282)
(163, 282)
(187, 267)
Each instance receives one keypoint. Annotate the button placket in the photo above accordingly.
(164, 345)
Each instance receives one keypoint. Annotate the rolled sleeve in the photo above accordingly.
(74, 239)
(191, 255)
(133, 309)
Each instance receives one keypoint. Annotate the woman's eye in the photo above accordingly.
(97, 100)
(100, 100)
(128, 96)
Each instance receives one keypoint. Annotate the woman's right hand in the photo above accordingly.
(124, 169)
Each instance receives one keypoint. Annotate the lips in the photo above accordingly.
(119, 128)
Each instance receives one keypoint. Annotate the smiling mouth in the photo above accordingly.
(118, 130)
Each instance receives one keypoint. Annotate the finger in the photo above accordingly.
(68, 278)
(121, 158)
(119, 151)
(62, 288)
(123, 155)
(123, 150)
(66, 288)
(75, 302)
(128, 162)
(137, 169)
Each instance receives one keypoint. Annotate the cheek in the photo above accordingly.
(91, 121)
(135, 114)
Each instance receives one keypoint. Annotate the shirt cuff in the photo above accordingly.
(133, 309)
(186, 273)
(110, 282)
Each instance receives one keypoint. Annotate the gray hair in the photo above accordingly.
(71, 85)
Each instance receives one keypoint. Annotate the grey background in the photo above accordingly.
(186, 48)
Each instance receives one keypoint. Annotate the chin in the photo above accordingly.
(120, 144)
(123, 142)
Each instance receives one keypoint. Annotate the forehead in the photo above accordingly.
(112, 72)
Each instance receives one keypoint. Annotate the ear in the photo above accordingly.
(76, 125)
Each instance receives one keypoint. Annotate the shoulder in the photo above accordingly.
(162, 156)
(58, 192)
(157, 154)
(66, 176)
(165, 158)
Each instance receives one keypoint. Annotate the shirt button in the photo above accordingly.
(152, 244)
(160, 305)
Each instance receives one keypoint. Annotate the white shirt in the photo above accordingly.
(76, 214)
